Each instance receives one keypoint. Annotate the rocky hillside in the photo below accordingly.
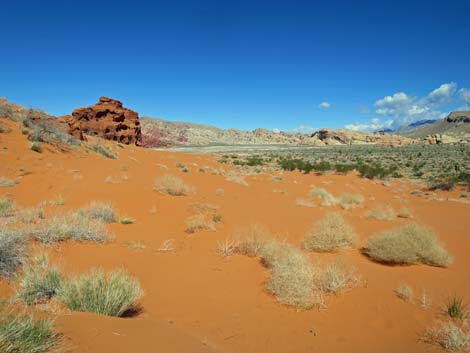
(162, 133)
(453, 128)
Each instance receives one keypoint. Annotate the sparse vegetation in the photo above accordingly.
(20, 333)
(456, 308)
(320, 193)
(126, 220)
(330, 234)
(6, 206)
(12, 251)
(36, 146)
(5, 182)
(335, 277)
(409, 244)
(382, 213)
(199, 223)
(404, 212)
(228, 247)
(449, 336)
(113, 294)
(304, 203)
(100, 210)
(348, 201)
(39, 281)
(172, 185)
(251, 239)
(404, 292)
(104, 151)
(292, 278)
(70, 226)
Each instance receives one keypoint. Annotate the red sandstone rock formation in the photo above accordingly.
(107, 119)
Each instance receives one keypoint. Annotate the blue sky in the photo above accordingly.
(242, 64)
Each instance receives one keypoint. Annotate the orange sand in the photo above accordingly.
(197, 301)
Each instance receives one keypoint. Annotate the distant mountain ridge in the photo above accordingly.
(163, 133)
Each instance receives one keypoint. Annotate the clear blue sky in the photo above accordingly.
(243, 64)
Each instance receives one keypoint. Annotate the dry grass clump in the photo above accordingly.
(30, 215)
(320, 193)
(20, 333)
(39, 282)
(228, 247)
(335, 277)
(172, 185)
(450, 336)
(304, 203)
(5, 182)
(404, 292)
(199, 223)
(408, 244)
(330, 233)
(404, 212)
(382, 213)
(6, 206)
(126, 220)
(12, 251)
(237, 179)
(113, 294)
(348, 201)
(251, 239)
(456, 308)
(70, 226)
(292, 274)
(100, 210)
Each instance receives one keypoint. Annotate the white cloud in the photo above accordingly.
(277, 131)
(303, 129)
(324, 105)
(401, 108)
(465, 95)
(374, 124)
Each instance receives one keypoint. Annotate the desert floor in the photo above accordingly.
(198, 301)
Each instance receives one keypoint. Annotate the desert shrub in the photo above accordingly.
(5, 182)
(43, 128)
(199, 223)
(305, 203)
(334, 278)
(404, 212)
(172, 185)
(100, 210)
(36, 147)
(382, 213)
(22, 334)
(30, 215)
(331, 233)
(344, 168)
(456, 308)
(112, 294)
(374, 171)
(104, 151)
(70, 226)
(404, 292)
(237, 179)
(6, 206)
(39, 282)
(254, 161)
(4, 129)
(320, 193)
(126, 220)
(12, 251)
(348, 201)
(251, 239)
(227, 248)
(408, 244)
(450, 337)
(292, 274)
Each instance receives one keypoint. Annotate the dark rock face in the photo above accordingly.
(110, 120)
(459, 117)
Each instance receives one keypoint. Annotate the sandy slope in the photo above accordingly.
(196, 301)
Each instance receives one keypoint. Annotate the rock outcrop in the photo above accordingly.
(107, 119)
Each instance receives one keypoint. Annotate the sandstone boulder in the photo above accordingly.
(107, 119)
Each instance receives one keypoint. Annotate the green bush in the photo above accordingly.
(22, 334)
(113, 294)
(36, 147)
(408, 244)
(6, 206)
(39, 282)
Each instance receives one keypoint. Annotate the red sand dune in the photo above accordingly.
(197, 301)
